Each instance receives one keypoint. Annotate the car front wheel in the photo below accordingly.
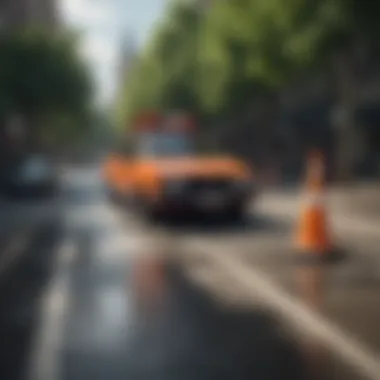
(236, 213)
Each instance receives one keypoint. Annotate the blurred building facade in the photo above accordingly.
(21, 13)
(128, 53)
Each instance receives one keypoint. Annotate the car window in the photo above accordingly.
(165, 145)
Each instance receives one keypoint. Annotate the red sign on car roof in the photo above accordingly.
(180, 122)
(150, 120)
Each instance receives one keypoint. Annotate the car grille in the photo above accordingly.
(208, 184)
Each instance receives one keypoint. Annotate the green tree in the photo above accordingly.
(250, 47)
(234, 54)
(43, 78)
(166, 71)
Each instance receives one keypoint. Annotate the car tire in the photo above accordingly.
(236, 213)
(155, 216)
(148, 211)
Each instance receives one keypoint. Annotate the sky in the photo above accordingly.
(104, 23)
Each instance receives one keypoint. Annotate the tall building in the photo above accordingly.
(127, 55)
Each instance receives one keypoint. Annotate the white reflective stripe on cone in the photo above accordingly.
(315, 199)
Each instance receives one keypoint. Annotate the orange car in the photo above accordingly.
(165, 176)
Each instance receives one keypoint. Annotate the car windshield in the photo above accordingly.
(165, 144)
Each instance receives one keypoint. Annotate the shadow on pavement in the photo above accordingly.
(250, 224)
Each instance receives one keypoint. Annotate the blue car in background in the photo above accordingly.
(33, 176)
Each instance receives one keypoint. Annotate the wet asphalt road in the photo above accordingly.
(184, 336)
(105, 333)
(20, 290)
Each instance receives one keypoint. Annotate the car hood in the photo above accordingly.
(214, 167)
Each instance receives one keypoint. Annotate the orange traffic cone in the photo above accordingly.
(315, 248)
(313, 236)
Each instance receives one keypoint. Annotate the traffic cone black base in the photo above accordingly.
(335, 256)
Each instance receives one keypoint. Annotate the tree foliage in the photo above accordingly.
(217, 60)
(43, 78)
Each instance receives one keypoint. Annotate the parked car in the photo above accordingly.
(34, 176)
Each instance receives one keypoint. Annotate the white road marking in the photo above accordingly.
(348, 348)
(44, 363)
(219, 283)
